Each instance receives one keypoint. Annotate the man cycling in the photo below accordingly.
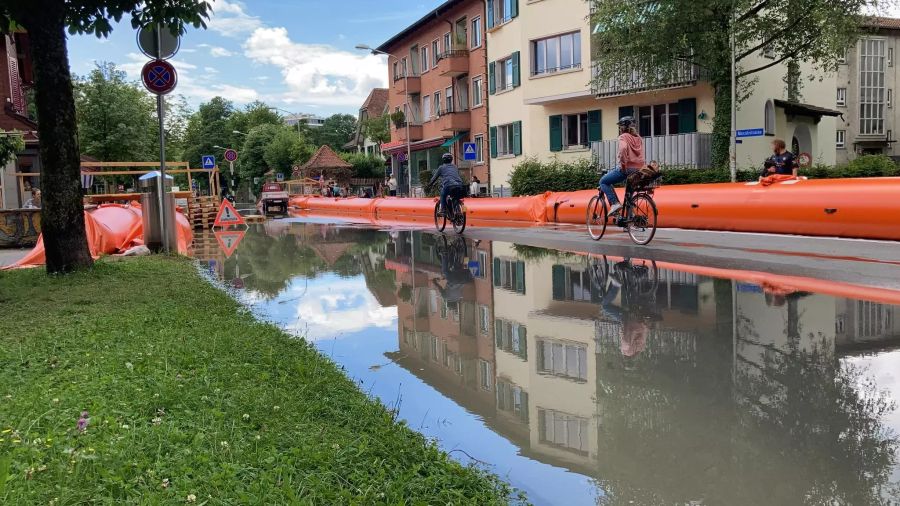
(630, 158)
(451, 183)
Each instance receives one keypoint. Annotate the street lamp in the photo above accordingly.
(366, 47)
(294, 114)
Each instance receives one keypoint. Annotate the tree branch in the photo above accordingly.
(772, 38)
(776, 62)
(754, 11)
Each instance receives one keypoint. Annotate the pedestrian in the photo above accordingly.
(35, 201)
(475, 187)
(392, 186)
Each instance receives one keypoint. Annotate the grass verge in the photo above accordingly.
(185, 398)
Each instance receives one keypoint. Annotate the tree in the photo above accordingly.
(62, 213)
(377, 129)
(208, 127)
(10, 144)
(116, 119)
(253, 162)
(335, 131)
(659, 39)
(255, 114)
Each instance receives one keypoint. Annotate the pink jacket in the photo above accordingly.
(631, 151)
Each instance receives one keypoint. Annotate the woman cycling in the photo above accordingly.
(630, 158)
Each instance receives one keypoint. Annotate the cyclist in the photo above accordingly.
(456, 273)
(451, 183)
(630, 158)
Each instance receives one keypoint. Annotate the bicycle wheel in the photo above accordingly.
(459, 218)
(597, 217)
(440, 221)
(642, 219)
(646, 279)
(599, 269)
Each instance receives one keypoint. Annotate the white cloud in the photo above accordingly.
(317, 74)
(230, 19)
(216, 51)
(211, 70)
(325, 310)
(195, 90)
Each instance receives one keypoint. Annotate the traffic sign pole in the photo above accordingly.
(164, 215)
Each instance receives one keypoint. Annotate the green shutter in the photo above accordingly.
(520, 277)
(595, 126)
(514, 8)
(559, 282)
(626, 110)
(687, 116)
(556, 133)
(492, 85)
(515, 71)
(494, 152)
(490, 13)
(496, 260)
(517, 138)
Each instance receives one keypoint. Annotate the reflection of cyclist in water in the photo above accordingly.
(456, 272)
(637, 284)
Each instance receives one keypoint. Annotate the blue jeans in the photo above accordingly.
(611, 178)
(448, 192)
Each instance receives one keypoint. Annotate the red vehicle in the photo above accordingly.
(273, 199)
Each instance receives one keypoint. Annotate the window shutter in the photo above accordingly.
(496, 260)
(520, 277)
(626, 110)
(595, 126)
(515, 71)
(492, 84)
(687, 115)
(556, 133)
(513, 8)
(517, 138)
(494, 148)
(490, 14)
(559, 282)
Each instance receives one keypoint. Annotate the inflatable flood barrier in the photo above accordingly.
(864, 208)
(111, 229)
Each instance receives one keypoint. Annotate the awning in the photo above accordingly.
(387, 146)
(453, 140)
(394, 148)
(811, 111)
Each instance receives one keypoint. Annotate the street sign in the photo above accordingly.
(475, 268)
(470, 151)
(230, 155)
(208, 161)
(159, 77)
(158, 45)
(279, 177)
(750, 132)
(228, 215)
(229, 240)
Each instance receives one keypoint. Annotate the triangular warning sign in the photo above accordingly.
(228, 215)
(470, 149)
(228, 241)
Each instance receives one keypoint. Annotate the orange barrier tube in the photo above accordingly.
(111, 229)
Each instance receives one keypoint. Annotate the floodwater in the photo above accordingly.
(590, 380)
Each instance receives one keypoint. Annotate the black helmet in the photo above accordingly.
(626, 121)
(447, 158)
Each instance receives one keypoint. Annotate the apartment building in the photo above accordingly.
(15, 78)
(310, 120)
(437, 75)
(864, 93)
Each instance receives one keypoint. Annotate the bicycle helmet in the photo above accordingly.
(626, 121)
(447, 158)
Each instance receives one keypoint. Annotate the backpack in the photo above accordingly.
(643, 176)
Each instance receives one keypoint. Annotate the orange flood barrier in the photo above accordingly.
(865, 208)
(111, 229)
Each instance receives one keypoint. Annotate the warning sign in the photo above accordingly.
(228, 215)
(229, 240)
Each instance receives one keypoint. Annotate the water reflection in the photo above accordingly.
(658, 386)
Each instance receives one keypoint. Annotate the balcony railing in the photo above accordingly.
(681, 150)
(453, 119)
(415, 132)
(413, 81)
(453, 63)
(554, 70)
(636, 81)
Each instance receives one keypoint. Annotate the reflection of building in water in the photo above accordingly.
(445, 336)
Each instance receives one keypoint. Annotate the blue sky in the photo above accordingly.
(293, 54)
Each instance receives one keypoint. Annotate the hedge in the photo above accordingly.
(532, 177)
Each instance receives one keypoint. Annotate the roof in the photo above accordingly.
(431, 16)
(325, 158)
(376, 103)
(806, 109)
(881, 22)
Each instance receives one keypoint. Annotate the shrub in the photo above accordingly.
(365, 166)
(533, 177)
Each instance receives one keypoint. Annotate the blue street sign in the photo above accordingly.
(475, 268)
(750, 132)
(470, 152)
(209, 161)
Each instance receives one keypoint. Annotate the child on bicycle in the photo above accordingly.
(451, 182)
(630, 158)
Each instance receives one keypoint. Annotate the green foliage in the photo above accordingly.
(377, 129)
(219, 406)
(336, 131)
(398, 118)
(532, 177)
(10, 143)
(252, 162)
(365, 166)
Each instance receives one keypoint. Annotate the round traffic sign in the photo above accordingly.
(804, 160)
(159, 77)
(230, 155)
(158, 44)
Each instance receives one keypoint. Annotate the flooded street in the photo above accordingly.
(586, 379)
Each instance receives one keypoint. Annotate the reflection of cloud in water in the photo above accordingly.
(331, 305)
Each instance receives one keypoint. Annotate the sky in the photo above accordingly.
(297, 55)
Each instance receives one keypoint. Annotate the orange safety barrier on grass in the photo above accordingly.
(111, 229)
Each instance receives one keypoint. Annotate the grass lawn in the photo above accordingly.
(188, 399)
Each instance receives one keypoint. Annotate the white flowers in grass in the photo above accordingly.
(246, 417)
(191, 498)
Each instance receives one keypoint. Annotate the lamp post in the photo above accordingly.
(294, 114)
(366, 47)
(231, 164)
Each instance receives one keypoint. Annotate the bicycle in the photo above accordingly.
(638, 215)
(456, 214)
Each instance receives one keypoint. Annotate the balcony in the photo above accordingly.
(636, 81)
(681, 150)
(454, 120)
(453, 63)
(413, 82)
(415, 133)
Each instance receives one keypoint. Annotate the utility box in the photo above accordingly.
(154, 227)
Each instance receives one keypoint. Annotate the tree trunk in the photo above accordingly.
(721, 144)
(62, 213)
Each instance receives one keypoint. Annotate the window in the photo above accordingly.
(890, 98)
(482, 261)
(414, 61)
(769, 52)
(511, 337)
(509, 274)
(842, 96)
(890, 57)
(437, 104)
(575, 130)
(770, 117)
(566, 431)
(396, 71)
(487, 374)
(403, 67)
(449, 100)
(840, 141)
(505, 77)
(435, 53)
(426, 107)
(476, 32)
(567, 360)
(842, 59)
(501, 11)
(504, 140)
(655, 120)
(553, 54)
(447, 44)
(511, 398)
(477, 91)
(425, 59)
(871, 86)
(479, 149)
(873, 319)
(484, 320)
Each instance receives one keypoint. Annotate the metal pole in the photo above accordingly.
(160, 112)
(231, 168)
(732, 150)
(408, 140)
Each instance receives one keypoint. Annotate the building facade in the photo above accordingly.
(310, 120)
(15, 79)
(437, 78)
